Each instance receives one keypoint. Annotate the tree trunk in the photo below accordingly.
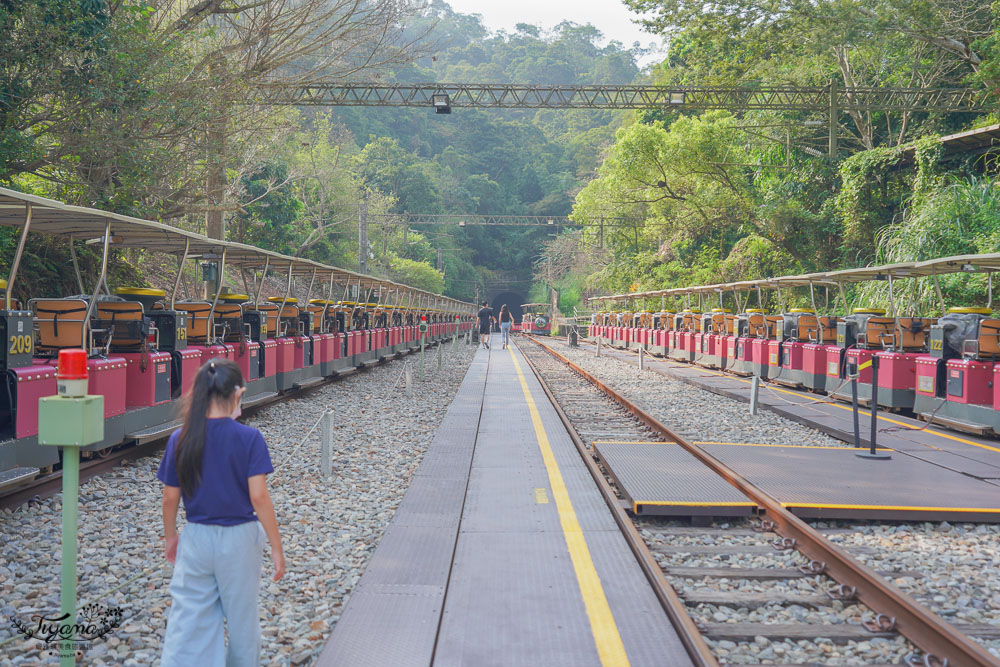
(215, 161)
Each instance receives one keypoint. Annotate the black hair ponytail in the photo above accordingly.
(215, 381)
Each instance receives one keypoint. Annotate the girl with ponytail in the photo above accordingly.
(219, 468)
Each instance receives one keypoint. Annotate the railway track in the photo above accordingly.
(748, 572)
(49, 484)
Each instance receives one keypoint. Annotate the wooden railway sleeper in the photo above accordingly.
(920, 625)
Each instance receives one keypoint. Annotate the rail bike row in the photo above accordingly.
(943, 368)
(145, 344)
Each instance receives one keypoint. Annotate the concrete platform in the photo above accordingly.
(813, 482)
(503, 551)
(957, 452)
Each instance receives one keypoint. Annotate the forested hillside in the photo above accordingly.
(720, 197)
(156, 109)
(165, 109)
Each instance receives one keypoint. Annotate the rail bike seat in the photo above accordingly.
(986, 346)
(774, 323)
(197, 312)
(316, 309)
(758, 325)
(122, 326)
(826, 333)
(59, 323)
(228, 322)
(719, 322)
(880, 332)
(914, 332)
(282, 320)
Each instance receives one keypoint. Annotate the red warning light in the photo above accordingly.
(72, 365)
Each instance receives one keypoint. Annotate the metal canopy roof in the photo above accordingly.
(79, 223)
(940, 266)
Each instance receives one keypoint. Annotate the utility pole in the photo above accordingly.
(440, 260)
(363, 236)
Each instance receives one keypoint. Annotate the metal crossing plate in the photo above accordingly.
(663, 479)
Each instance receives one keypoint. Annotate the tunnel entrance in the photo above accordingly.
(513, 301)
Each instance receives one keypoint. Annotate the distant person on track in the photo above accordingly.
(486, 317)
(506, 322)
(219, 467)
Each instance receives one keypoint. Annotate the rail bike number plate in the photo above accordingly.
(20, 344)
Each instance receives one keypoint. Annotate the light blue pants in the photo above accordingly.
(216, 578)
(505, 332)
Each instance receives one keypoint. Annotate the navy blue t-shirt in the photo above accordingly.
(233, 453)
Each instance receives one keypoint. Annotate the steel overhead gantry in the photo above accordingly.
(463, 220)
(831, 99)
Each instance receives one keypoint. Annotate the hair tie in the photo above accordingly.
(211, 366)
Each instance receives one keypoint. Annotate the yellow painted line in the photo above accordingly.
(607, 639)
(865, 365)
(846, 448)
(633, 442)
(541, 497)
(693, 503)
(909, 508)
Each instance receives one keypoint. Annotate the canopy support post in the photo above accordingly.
(76, 267)
(263, 275)
(180, 272)
(218, 291)
(937, 288)
(97, 288)
(17, 254)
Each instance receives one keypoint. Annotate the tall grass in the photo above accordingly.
(961, 217)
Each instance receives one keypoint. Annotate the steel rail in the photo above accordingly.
(687, 630)
(924, 628)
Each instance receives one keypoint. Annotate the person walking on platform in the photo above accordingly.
(219, 468)
(506, 322)
(485, 319)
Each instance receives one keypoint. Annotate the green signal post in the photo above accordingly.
(70, 420)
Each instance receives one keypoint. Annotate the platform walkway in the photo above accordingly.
(503, 551)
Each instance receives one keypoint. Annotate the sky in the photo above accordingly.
(609, 16)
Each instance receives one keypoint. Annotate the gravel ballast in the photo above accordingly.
(691, 411)
(329, 528)
(960, 563)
